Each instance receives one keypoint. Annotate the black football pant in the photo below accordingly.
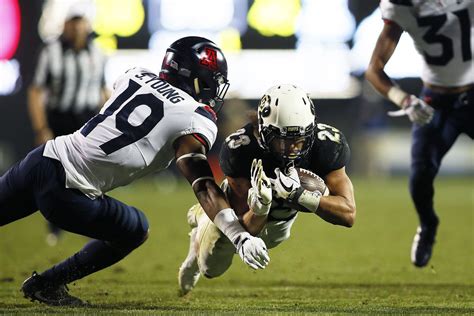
(454, 114)
(38, 182)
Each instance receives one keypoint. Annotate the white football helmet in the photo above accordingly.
(286, 122)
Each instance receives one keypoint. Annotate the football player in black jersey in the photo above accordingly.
(263, 186)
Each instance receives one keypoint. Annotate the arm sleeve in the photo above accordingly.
(42, 69)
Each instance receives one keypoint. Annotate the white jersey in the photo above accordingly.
(443, 32)
(132, 135)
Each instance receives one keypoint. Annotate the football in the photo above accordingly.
(311, 181)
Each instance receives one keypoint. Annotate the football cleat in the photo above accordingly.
(189, 273)
(422, 247)
(36, 288)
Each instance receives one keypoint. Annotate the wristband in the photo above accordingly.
(397, 95)
(229, 224)
(309, 199)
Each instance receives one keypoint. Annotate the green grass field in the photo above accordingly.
(321, 269)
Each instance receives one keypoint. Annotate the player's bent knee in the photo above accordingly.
(127, 246)
(141, 236)
(137, 236)
(144, 237)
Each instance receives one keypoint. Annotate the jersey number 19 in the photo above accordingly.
(130, 133)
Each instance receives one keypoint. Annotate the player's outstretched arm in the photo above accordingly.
(339, 207)
(192, 162)
(417, 110)
(383, 51)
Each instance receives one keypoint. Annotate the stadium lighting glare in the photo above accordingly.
(274, 17)
(10, 23)
(174, 18)
(10, 73)
(406, 62)
(110, 18)
(321, 79)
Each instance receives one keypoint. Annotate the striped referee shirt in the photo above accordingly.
(74, 80)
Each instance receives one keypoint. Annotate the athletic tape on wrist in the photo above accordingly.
(310, 200)
(397, 95)
(229, 224)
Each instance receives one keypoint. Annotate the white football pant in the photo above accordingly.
(216, 251)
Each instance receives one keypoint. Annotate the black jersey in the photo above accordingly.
(329, 152)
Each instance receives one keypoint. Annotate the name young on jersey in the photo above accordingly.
(160, 86)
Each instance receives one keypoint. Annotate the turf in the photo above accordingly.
(321, 269)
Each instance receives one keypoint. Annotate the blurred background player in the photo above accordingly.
(68, 87)
(443, 32)
(148, 121)
(283, 135)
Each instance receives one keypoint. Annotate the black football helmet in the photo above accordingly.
(197, 66)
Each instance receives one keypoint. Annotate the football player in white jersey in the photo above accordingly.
(443, 32)
(148, 121)
(283, 134)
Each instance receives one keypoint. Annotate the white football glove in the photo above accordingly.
(259, 196)
(285, 185)
(418, 111)
(253, 251)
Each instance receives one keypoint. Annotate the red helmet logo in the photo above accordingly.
(209, 58)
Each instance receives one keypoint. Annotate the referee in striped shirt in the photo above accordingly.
(68, 87)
